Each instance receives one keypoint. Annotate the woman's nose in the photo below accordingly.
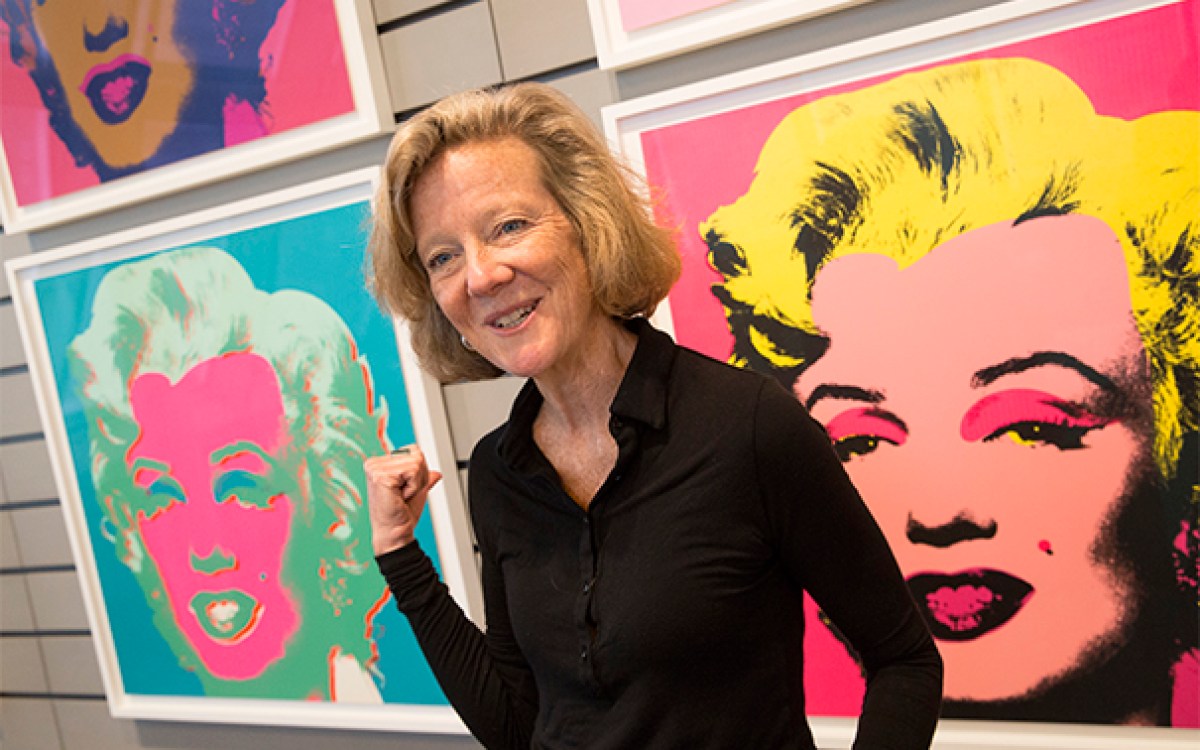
(485, 272)
(217, 560)
(103, 29)
(962, 527)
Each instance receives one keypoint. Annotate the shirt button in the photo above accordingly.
(583, 653)
(587, 587)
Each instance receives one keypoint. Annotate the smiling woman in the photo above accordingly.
(134, 85)
(518, 229)
(644, 550)
(987, 293)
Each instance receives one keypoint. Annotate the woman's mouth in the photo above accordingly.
(226, 616)
(514, 318)
(966, 605)
(116, 88)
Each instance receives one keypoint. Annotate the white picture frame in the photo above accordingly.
(251, 231)
(678, 26)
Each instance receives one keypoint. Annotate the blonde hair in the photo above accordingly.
(899, 168)
(631, 262)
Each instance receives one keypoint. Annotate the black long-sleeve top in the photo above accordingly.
(668, 614)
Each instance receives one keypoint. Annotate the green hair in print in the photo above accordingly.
(227, 429)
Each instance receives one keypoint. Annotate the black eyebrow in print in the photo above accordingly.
(989, 375)
(844, 393)
(788, 340)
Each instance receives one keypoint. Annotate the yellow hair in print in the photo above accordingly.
(899, 168)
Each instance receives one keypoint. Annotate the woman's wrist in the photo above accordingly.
(397, 539)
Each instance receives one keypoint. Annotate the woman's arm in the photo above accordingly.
(484, 675)
(833, 548)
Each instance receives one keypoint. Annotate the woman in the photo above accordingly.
(131, 86)
(235, 420)
(992, 308)
(644, 549)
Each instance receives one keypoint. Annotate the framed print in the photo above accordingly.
(209, 388)
(101, 108)
(972, 249)
(631, 32)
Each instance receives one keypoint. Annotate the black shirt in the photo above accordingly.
(668, 615)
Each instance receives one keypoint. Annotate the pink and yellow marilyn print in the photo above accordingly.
(986, 369)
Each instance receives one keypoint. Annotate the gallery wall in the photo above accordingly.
(51, 694)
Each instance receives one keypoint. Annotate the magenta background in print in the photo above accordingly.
(306, 82)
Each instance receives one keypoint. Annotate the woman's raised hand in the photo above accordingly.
(398, 485)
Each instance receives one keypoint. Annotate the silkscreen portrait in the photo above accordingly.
(133, 85)
(95, 91)
(987, 293)
(227, 428)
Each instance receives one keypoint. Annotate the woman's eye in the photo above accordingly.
(511, 225)
(1062, 436)
(859, 431)
(438, 260)
(857, 445)
(246, 489)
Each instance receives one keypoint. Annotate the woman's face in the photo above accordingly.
(124, 77)
(216, 530)
(991, 403)
(504, 262)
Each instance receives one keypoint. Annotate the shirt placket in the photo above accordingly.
(589, 623)
(586, 625)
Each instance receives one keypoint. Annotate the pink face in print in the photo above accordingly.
(218, 529)
(990, 401)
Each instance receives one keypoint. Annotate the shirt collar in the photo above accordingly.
(641, 397)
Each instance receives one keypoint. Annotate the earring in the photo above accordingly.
(467, 344)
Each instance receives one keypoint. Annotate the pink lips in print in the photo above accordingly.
(117, 87)
(963, 606)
